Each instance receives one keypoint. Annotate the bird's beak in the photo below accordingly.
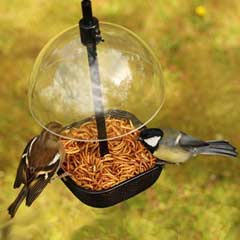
(139, 139)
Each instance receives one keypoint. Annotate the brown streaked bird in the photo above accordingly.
(40, 160)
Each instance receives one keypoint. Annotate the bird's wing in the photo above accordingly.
(42, 177)
(50, 169)
(21, 170)
(35, 188)
(17, 202)
(187, 141)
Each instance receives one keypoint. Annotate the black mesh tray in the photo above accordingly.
(122, 191)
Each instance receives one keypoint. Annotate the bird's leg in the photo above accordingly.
(63, 175)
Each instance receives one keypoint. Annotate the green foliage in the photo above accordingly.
(200, 57)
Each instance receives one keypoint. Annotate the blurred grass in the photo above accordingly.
(200, 57)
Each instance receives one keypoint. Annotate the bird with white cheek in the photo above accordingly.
(173, 146)
(40, 160)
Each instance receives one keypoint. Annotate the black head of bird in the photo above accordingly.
(151, 137)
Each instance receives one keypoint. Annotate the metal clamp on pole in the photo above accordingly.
(89, 25)
(90, 37)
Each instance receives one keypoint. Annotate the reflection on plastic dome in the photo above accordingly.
(61, 88)
(64, 93)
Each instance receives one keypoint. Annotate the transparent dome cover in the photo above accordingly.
(131, 78)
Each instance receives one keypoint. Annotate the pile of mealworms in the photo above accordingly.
(127, 156)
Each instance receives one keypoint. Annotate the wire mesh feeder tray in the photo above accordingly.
(121, 191)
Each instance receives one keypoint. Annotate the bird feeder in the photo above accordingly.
(92, 71)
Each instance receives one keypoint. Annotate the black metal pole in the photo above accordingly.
(90, 37)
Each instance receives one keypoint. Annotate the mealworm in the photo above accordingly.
(127, 157)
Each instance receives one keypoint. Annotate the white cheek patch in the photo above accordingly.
(55, 159)
(153, 141)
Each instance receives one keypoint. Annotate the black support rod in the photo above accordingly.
(90, 37)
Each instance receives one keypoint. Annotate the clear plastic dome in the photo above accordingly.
(131, 78)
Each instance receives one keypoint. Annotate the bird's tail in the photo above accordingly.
(12, 209)
(219, 148)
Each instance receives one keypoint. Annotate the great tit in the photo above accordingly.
(40, 160)
(174, 146)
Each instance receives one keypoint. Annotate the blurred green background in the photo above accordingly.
(199, 50)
